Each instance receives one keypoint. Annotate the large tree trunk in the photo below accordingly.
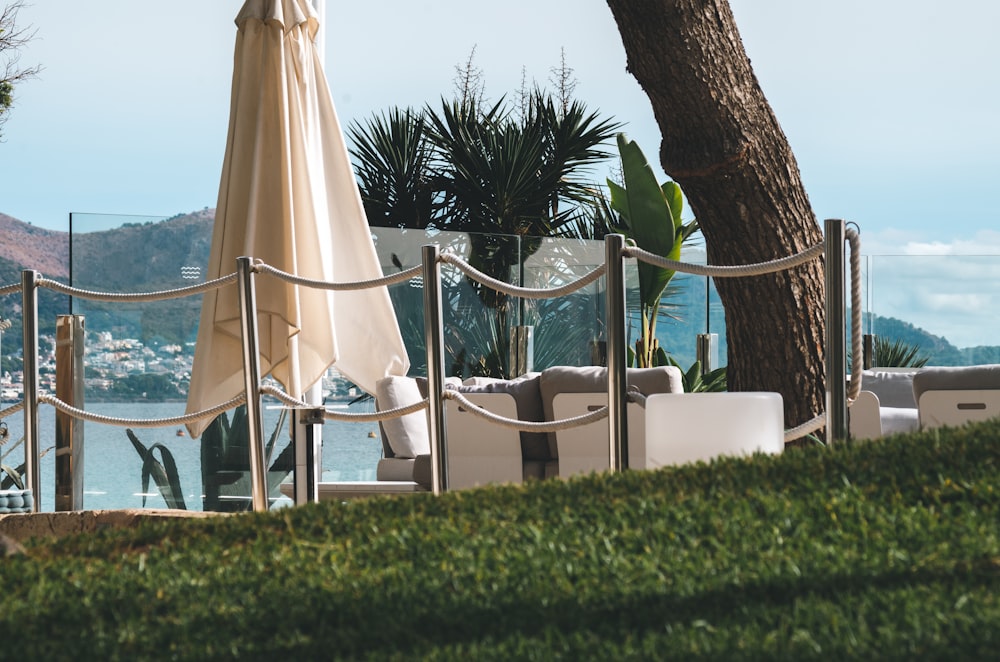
(723, 145)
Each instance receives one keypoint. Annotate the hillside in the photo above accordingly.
(23, 246)
(132, 258)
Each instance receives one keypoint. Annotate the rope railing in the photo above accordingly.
(734, 271)
(523, 292)
(350, 417)
(449, 394)
(557, 425)
(10, 411)
(612, 261)
(171, 421)
(384, 281)
(773, 266)
(161, 295)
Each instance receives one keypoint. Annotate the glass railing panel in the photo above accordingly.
(139, 358)
(947, 306)
(139, 355)
(691, 306)
(570, 329)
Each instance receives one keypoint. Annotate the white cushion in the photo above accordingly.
(407, 435)
(894, 388)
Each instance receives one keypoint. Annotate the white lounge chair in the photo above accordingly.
(586, 448)
(480, 452)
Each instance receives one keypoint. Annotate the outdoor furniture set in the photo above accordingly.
(899, 400)
(689, 427)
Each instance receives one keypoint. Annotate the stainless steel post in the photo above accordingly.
(70, 334)
(707, 351)
(307, 435)
(617, 376)
(29, 312)
(434, 339)
(522, 350)
(836, 332)
(251, 379)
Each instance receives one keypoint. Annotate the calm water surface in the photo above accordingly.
(113, 469)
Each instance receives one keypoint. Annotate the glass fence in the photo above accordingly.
(138, 355)
(946, 307)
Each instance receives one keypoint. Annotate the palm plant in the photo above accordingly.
(393, 163)
(506, 178)
(896, 354)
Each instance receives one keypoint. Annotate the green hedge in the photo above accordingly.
(887, 550)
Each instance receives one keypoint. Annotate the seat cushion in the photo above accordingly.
(898, 420)
(894, 388)
(963, 378)
(406, 436)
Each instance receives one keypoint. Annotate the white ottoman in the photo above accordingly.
(688, 427)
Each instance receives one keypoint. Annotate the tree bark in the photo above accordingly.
(723, 145)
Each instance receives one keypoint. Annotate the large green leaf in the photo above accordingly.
(648, 210)
(164, 473)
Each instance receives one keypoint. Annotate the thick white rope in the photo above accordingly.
(526, 426)
(351, 417)
(537, 426)
(523, 292)
(726, 271)
(817, 422)
(384, 281)
(161, 295)
(10, 411)
(141, 422)
(856, 351)
(10, 289)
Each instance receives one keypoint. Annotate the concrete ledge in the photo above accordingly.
(25, 526)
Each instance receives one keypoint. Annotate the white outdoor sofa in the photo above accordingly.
(480, 452)
(688, 427)
(910, 399)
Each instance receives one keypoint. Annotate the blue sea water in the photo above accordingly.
(113, 468)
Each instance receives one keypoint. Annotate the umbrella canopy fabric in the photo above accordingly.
(288, 197)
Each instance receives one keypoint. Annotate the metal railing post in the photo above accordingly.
(434, 338)
(29, 311)
(614, 244)
(836, 324)
(70, 336)
(251, 379)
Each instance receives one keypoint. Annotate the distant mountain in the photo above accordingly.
(936, 349)
(23, 246)
(151, 256)
(132, 258)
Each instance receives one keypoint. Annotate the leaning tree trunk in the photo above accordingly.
(723, 145)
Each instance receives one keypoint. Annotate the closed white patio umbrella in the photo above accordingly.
(288, 197)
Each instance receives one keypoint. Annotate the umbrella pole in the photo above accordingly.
(251, 378)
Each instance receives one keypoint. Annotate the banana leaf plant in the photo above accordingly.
(650, 214)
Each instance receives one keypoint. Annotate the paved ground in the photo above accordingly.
(24, 526)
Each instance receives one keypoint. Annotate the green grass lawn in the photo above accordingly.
(887, 550)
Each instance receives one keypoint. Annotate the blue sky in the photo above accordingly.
(890, 106)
